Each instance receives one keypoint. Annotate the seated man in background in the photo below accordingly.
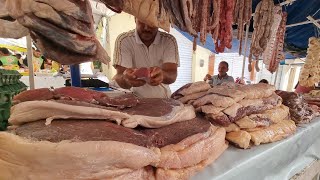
(221, 77)
(7, 59)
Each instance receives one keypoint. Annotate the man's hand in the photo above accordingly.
(207, 77)
(131, 79)
(156, 76)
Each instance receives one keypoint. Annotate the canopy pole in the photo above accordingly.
(275, 79)
(75, 75)
(302, 23)
(30, 64)
(310, 18)
(245, 50)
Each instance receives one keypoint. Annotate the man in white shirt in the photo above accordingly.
(222, 76)
(146, 47)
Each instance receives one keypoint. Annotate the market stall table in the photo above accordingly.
(279, 160)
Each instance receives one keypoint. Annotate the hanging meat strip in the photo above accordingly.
(263, 19)
(278, 54)
(225, 29)
(267, 54)
(241, 17)
(203, 26)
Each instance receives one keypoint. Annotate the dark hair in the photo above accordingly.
(4, 50)
(264, 81)
(18, 56)
(225, 63)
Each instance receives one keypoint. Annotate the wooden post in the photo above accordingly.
(30, 64)
(245, 50)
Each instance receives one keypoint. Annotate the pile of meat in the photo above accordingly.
(312, 98)
(62, 30)
(83, 142)
(265, 127)
(310, 73)
(300, 111)
(251, 114)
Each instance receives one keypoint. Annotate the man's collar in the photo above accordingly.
(138, 40)
(224, 77)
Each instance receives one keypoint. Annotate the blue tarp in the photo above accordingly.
(296, 37)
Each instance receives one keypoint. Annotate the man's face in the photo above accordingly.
(36, 53)
(223, 69)
(146, 33)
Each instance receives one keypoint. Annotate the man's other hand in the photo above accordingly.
(131, 79)
(156, 76)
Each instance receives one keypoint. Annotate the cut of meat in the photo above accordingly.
(78, 94)
(186, 153)
(12, 29)
(34, 95)
(121, 102)
(300, 111)
(196, 87)
(232, 127)
(251, 102)
(233, 110)
(240, 139)
(149, 12)
(80, 131)
(177, 94)
(95, 130)
(155, 113)
(63, 31)
(216, 100)
(246, 123)
(273, 133)
(70, 160)
(142, 73)
(146, 173)
(219, 118)
(193, 96)
(174, 133)
(211, 109)
(257, 91)
(230, 92)
(186, 173)
(166, 111)
(277, 114)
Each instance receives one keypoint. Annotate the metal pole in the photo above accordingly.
(30, 64)
(245, 50)
(75, 75)
(275, 80)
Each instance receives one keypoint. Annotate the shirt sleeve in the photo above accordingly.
(122, 53)
(171, 54)
(230, 78)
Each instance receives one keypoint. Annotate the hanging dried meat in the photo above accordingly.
(62, 30)
(272, 43)
(241, 17)
(310, 73)
(277, 53)
(224, 39)
(263, 19)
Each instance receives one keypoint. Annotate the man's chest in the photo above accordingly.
(147, 57)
